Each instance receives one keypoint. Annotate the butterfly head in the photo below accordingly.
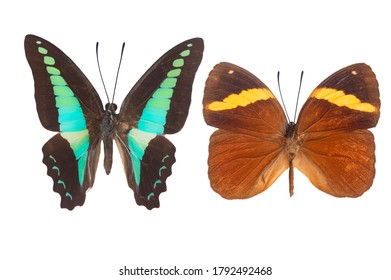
(111, 107)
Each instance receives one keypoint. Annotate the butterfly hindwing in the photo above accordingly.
(67, 103)
(245, 155)
(241, 165)
(338, 152)
(65, 171)
(158, 104)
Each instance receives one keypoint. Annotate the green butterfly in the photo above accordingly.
(67, 103)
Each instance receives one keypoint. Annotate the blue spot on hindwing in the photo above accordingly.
(161, 169)
(165, 157)
(157, 182)
(58, 170)
(68, 195)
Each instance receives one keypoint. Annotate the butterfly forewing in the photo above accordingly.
(246, 155)
(158, 104)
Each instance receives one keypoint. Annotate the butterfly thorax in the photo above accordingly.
(108, 125)
(109, 119)
(293, 141)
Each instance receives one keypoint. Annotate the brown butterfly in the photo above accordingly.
(330, 143)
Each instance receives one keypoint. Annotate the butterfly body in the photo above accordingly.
(254, 144)
(68, 104)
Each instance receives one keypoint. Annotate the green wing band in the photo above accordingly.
(153, 117)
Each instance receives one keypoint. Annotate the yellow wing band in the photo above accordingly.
(339, 98)
(244, 98)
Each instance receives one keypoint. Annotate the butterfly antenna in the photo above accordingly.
(282, 99)
(298, 94)
(119, 66)
(100, 72)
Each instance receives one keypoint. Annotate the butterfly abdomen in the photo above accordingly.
(108, 125)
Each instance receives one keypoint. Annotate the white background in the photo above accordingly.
(309, 236)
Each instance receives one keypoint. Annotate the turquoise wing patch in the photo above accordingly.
(153, 117)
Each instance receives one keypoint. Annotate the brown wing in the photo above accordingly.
(247, 154)
(241, 166)
(337, 151)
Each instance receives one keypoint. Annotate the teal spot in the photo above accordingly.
(52, 70)
(150, 127)
(69, 195)
(168, 83)
(57, 81)
(42, 50)
(66, 101)
(161, 169)
(38, 42)
(62, 90)
(61, 182)
(153, 115)
(159, 104)
(70, 111)
(178, 62)
(167, 156)
(81, 166)
(185, 53)
(58, 170)
(52, 157)
(77, 115)
(190, 45)
(48, 60)
(73, 126)
(174, 73)
(150, 195)
(163, 93)
(63, 118)
(156, 182)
